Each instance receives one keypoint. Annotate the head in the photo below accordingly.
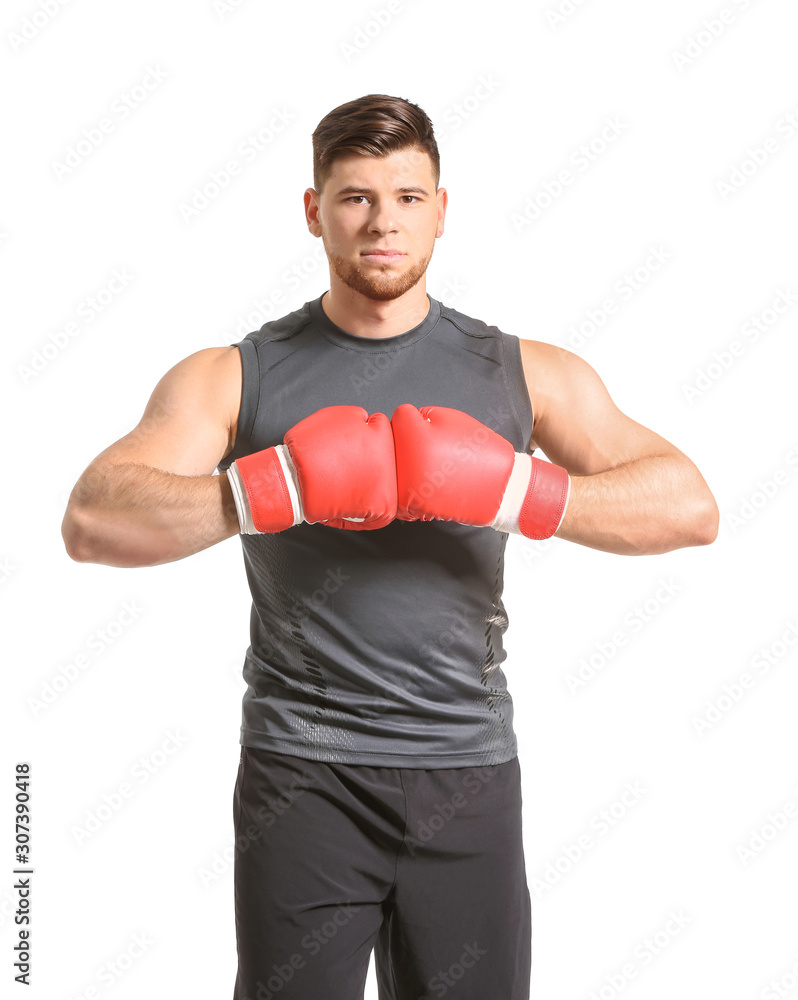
(375, 172)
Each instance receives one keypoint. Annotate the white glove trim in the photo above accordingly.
(291, 481)
(245, 522)
(514, 494)
(513, 500)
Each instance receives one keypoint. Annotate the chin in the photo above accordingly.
(380, 285)
(382, 294)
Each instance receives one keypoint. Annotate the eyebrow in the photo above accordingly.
(352, 189)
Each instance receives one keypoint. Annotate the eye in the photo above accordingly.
(412, 198)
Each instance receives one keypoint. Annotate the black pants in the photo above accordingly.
(425, 866)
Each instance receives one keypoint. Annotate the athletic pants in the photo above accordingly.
(423, 867)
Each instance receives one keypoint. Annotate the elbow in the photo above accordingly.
(91, 540)
(703, 526)
(699, 518)
(707, 535)
(689, 528)
(78, 554)
(77, 539)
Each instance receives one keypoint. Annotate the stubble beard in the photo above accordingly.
(381, 283)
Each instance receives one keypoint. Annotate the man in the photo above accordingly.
(375, 450)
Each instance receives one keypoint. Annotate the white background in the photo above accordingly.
(513, 92)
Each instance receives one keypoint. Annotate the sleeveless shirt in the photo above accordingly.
(380, 647)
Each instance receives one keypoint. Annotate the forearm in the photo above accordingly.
(648, 506)
(134, 515)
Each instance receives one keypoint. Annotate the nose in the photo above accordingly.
(381, 218)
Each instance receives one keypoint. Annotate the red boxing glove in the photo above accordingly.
(451, 467)
(336, 466)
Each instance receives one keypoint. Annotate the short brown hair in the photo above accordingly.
(374, 125)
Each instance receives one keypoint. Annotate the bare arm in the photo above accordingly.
(151, 497)
(632, 492)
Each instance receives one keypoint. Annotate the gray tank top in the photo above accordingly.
(378, 647)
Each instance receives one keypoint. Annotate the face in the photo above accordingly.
(371, 204)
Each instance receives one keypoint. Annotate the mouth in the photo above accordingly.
(383, 256)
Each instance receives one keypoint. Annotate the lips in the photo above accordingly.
(382, 256)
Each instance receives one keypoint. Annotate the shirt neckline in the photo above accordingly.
(337, 335)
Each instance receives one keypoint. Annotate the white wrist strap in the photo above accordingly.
(514, 493)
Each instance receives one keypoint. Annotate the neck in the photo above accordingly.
(366, 317)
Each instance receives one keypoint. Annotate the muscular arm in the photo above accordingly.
(151, 497)
(632, 492)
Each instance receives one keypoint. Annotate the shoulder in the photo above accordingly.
(226, 371)
(556, 379)
(212, 368)
(547, 367)
(213, 378)
(546, 354)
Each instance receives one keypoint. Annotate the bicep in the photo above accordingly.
(576, 423)
(188, 425)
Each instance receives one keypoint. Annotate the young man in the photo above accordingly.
(375, 450)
